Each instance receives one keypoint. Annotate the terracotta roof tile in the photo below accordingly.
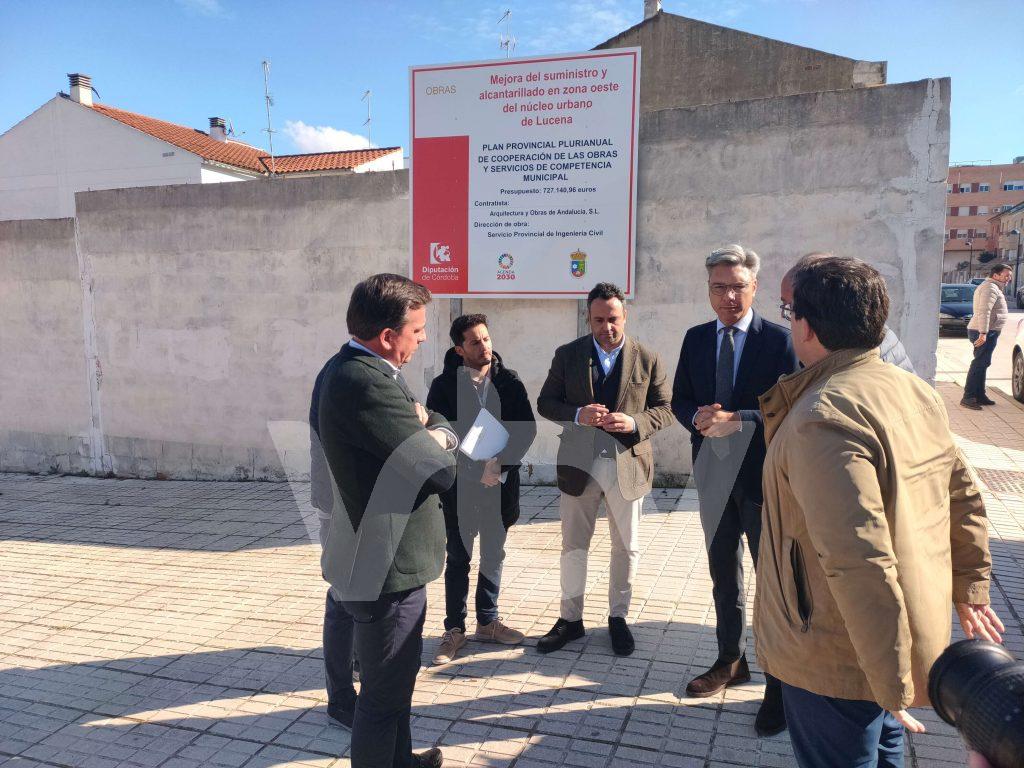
(237, 154)
(327, 161)
(227, 152)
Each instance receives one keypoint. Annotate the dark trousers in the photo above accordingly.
(975, 385)
(456, 577)
(467, 515)
(389, 644)
(742, 515)
(840, 733)
(338, 639)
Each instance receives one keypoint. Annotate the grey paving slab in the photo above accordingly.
(178, 625)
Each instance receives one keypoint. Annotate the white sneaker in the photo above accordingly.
(451, 643)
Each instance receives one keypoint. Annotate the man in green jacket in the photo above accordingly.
(871, 529)
(390, 458)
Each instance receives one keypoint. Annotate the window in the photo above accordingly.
(1012, 186)
(949, 189)
(983, 188)
(957, 294)
(981, 234)
(965, 188)
(982, 211)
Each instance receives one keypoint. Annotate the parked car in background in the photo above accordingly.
(956, 306)
(976, 280)
(1017, 375)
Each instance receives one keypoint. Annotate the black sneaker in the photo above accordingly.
(563, 632)
(971, 402)
(622, 638)
(984, 400)
(432, 758)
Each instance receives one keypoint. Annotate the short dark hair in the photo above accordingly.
(998, 269)
(463, 323)
(844, 300)
(382, 301)
(606, 291)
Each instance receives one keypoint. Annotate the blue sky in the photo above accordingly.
(187, 60)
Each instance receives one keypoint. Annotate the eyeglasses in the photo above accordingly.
(720, 289)
(786, 308)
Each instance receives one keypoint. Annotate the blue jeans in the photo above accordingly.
(975, 386)
(840, 733)
(456, 573)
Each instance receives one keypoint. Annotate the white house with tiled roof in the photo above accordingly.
(72, 144)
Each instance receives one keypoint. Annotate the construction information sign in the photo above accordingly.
(524, 174)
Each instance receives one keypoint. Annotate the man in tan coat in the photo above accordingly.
(611, 394)
(872, 528)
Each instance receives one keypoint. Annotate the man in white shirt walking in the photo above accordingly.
(983, 331)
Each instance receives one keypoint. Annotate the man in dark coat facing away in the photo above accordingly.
(390, 458)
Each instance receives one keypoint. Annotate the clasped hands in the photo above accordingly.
(712, 421)
(597, 415)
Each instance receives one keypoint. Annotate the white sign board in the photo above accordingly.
(524, 174)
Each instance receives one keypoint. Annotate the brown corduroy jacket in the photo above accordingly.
(871, 528)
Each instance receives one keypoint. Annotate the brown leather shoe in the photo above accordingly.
(721, 675)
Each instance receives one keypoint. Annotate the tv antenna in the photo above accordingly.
(508, 42)
(367, 96)
(270, 102)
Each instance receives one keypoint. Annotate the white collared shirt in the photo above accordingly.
(607, 359)
(739, 338)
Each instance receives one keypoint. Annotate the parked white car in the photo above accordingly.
(1017, 377)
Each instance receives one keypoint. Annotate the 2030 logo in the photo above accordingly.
(505, 262)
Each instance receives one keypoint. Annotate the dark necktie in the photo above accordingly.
(723, 382)
(724, 372)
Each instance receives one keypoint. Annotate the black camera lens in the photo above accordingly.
(978, 687)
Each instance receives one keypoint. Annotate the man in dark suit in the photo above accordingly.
(610, 394)
(390, 458)
(724, 366)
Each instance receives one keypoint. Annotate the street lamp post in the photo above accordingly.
(970, 263)
(1017, 265)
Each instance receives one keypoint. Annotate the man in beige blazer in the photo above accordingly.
(611, 394)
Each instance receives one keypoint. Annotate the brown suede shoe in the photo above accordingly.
(721, 675)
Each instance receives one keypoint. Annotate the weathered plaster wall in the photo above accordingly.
(216, 305)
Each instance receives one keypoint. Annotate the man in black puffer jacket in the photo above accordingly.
(485, 497)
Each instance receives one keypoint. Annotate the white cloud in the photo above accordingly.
(204, 7)
(322, 138)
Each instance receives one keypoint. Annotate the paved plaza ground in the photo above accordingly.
(177, 624)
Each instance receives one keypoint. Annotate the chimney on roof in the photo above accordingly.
(81, 88)
(651, 8)
(218, 131)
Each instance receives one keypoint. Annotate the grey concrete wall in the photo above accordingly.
(216, 305)
(688, 62)
(44, 394)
